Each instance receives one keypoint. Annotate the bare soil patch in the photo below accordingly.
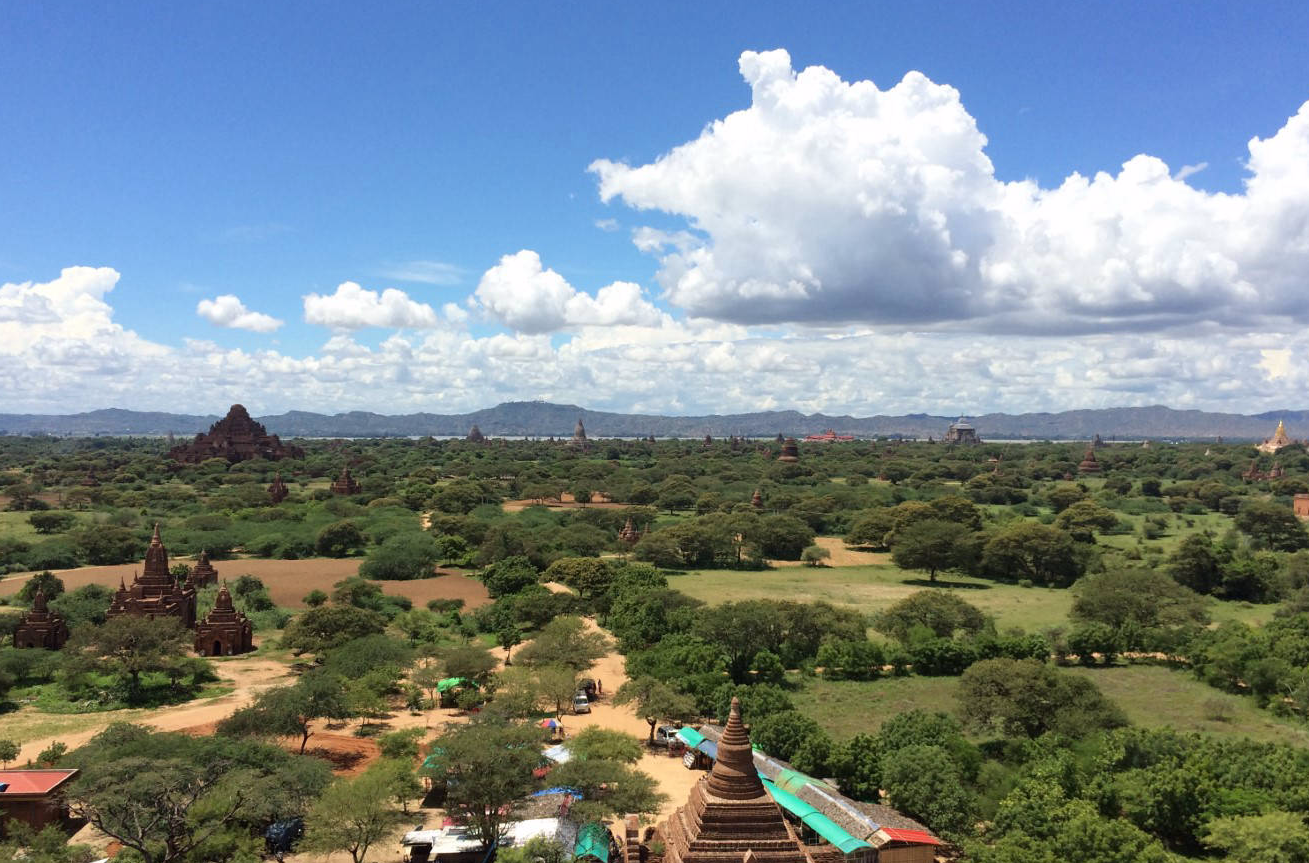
(348, 755)
(564, 501)
(841, 555)
(287, 580)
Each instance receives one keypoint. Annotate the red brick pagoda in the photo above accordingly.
(628, 535)
(1089, 463)
(236, 437)
(790, 451)
(155, 593)
(757, 499)
(203, 572)
(224, 631)
(729, 817)
(278, 491)
(345, 483)
(41, 627)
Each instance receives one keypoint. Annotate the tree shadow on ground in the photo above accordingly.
(962, 585)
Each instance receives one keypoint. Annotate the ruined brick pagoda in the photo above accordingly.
(790, 451)
(628, 534)
(41, 627)
(203, 572)
(155, 593)
(1089, 463)
(236, 437)
(278, 491)
(345, 483)
(224, 630)
(729, 817)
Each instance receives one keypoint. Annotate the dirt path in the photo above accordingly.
(564, 501)
(249, 676)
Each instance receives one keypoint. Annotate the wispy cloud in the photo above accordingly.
(1189, 170)
(607, 224)
(425, 272)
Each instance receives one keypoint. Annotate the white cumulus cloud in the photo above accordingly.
(828, 201)
(227, 310)
(532, 299)
(352, 307)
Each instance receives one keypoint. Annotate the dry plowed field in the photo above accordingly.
(288, 580)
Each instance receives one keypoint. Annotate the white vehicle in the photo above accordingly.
(581, 704)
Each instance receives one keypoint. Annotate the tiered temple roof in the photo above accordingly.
(628, 534)
(203, 572)
(236, 437)
(1089, 464)
(729, 817)
(155, 593)
(41, 627)
(224, 631)
(475, 435)
(345, 483)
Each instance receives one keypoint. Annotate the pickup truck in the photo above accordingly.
(665, 734)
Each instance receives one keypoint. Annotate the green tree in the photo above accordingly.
(1024, 697)
(608, 789)
(1035, 552)
(594, 743)
(565, 641)
(320, 629)
(468, 660)
(353, 814)
(127, 647)
(1064, 495)
(923, 783)
(1198, 564)
(509, 576)
(943, 614)
(487, 767)
(315, 598)
(8, 752)
(1083, 518)
(1273, 837)
(401, 557)
(784, 537)
(589, 576)
(340, 539)
(557, 684)
(47, 582)
(814, 555)
(782, 734)
(1271, 525)
(933, 545)
(871, 527)
(653, 700)
(51, 522)
(1145, 597)
(289, 711)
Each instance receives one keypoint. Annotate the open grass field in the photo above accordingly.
(287, 580)
(1150, 695)
(14, 525)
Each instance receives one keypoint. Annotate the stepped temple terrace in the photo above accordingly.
(1089, 463)
(155, 593)
(236, 437)
(1279, 440)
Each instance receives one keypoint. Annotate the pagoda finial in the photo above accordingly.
(38, 601)
(155, 540)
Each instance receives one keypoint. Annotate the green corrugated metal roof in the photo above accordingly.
(794, 780)
(451, 682)
(690, 736)
(815, 820)
(593, 841)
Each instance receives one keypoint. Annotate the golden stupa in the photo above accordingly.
(1277, 441)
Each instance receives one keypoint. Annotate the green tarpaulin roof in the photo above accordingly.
(690, 736)
(451, 682)
(815, 820)
(593, 841)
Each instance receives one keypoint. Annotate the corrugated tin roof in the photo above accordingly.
(815, 820)
(33, 781)
(690, 736)
(840, 809)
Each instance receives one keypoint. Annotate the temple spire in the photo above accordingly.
(734, 776)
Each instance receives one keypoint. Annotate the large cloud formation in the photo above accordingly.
(832, 202)
(227, 310)
(352, 307)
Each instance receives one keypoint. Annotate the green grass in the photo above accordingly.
(14, 525)
(873, 588)
(1150, 695)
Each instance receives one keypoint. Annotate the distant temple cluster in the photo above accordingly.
(154, 593)
(236, 437)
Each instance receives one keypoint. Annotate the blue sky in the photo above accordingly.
(272, 151)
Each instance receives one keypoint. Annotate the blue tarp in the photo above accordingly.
(562, 789)
(708, 747)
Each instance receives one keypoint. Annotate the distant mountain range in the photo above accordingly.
(542, 419)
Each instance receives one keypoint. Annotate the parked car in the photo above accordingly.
(587, 686)
(664, 734)
(281, 836)
(581, 704)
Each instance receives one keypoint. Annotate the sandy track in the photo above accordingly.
(287, 580)
(249, 675)
(564, 501)
(841, 556)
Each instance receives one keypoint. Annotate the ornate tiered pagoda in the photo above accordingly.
(1279, 440)
(155, 593)
(475, 435)
(203, 572)
(278, 491)
(729, 817)
(236, 437)
(41, 627)
(628, 535)
(579, 440)
(224, 631)
(345, 483)
(790, 451)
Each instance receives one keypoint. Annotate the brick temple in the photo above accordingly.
(729, 817)
(236, 437)
(345, 483)
(203, 572)
(224, 630)
(41, 627)
(154, 592)
(278, 491)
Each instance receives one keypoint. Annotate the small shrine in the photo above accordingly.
(1089, 464)
(236, 437)
(203, 572)
(757, 499)
(790, 450)
(155, 593)
(579, 439)
(278, 491)
(1254, 474)
(628, 535)
(41, 627)
(345, 483)
(224, 630)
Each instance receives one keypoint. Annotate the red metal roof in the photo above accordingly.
(917, 837)
(33, 781)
